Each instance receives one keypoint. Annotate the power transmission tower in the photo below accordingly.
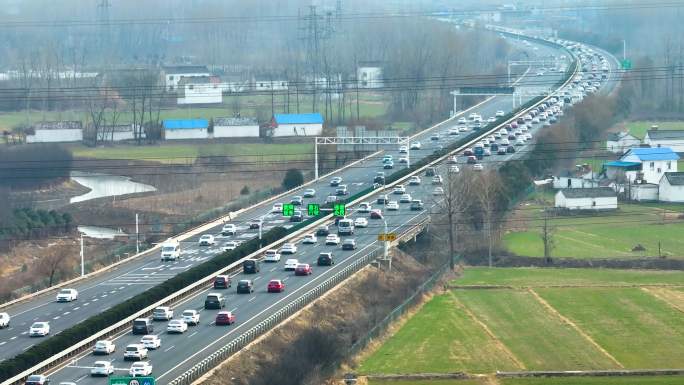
(103, 21)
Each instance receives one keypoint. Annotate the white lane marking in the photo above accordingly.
(273, 269)
(86, 304)
(192, 334)
(169, 348)
(57, 317)
(251, 299)
(23, 333)
(76, 308)
(95, 299)
(2, 343)
(15, 337)
(233, 310)
(256, 278)
(67, 312)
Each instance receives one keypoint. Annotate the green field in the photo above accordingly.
(584, 327)
(181, 153)
(634, 380)
(531, 277)
(622, 319)
(604, 235)
(539, 339)
(370, 106)
(440, 338)
(639, 128)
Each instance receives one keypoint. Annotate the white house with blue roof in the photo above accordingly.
(643, 164)
(297, 124)
(186, 129)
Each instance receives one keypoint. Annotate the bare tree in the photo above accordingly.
(54, 261)
(547, 236)
(453, 205)
(488, 192)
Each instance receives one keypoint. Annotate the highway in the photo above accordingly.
(180, 352)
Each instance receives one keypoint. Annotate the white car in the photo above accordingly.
(462, 128)
(4, 320)
(162, 313)
(438, 191)
(332, 239)
(229, 229)
(403, 149)
(309, 193)
(414, 180)
(453, 131)
(415, 146)
(364, 207)
(361, 222)
(231, 245)
(67, 295)
(272, 255)
(291, 264)
(136, 351)
(191, 317)
(478, 167)
(310, 239)
(406, 198)
(399, 189)
(454, 169)
(288, 248)
(39, 329)
(140, 369)
(150, 341)
(392, 205)
(491, 119)
(102, 368)
(277, 208)
(177, 326)
(462, 120)
(207, 240)
(437, 179)
(528, 136)
(104, 347)
(499, 113)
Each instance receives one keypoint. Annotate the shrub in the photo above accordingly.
(292, 179)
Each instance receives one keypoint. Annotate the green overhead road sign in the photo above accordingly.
(313, 209)
(340, 210)
(486, 90)
(131, 381)
(288, 209)
(626, 64)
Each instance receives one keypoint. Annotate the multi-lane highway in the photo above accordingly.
(179, 352)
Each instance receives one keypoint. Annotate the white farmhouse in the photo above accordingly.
(55, 132)
(200, 90)
(296, 124)
(619, 142)
(643, 164)
(369, 75)
(174, 74)
(117, 133)
(271, 85)
(673, 139)
(186, 129)
(235, 128)
(599, 198)
(672, 187)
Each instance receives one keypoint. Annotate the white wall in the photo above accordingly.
(236, 131)
(171, 80)
(562, 182)
(606, 203)
(201, 94)
(267, 85)
(116, 137)
(186, 133)
(621, 146)
(298, 129)
(652, 174)
(643, 192)
(369, 77)
(669, 193)
(55, 136)
(675, 145)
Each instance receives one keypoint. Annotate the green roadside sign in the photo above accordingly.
(626, 64)
(131, 381)
(339, 209)
(313, 209)
(288, 209)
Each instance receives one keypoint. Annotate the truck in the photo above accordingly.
(479, 152)
(345, 227)
(170, 250)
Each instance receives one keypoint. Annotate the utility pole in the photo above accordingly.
(82, 258)
(103, 21)
(137, 235)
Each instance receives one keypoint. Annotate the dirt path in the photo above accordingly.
(673, 298)
(569, 322)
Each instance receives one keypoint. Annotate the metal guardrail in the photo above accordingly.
(220, 355)
(79, 348)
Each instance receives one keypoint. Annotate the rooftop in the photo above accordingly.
(58, 125)
(665, 134)
(195, 80)
(298, 118)
(185, 124)
(675, 178)
(595, 192)
(185, 69)
(619, 163)
(653, 153)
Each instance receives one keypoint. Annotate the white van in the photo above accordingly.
(345, 227)
(170, 250)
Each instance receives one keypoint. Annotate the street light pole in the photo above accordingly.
(389, 261)
(137, 235)
(82, 258)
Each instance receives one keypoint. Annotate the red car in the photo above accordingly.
(468, 152)
(276, 286)
(225, 318)
(514, 125)
(303, 269)
(376, 214)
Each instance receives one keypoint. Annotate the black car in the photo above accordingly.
(430, 171)
(494, 147)
(143, 326)
(250, 266)
(382, 200)
(245, 286)
(297, 216)
(254, 224)
(215, 301)
(325, 259)
(222, 282)
(379, 179)
(323, 230)
(510, 149)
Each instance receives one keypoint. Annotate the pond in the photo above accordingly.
(103, 185)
